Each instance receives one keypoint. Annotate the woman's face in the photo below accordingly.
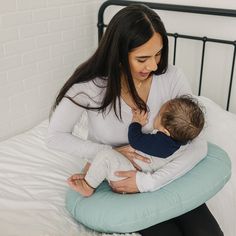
(145, 58)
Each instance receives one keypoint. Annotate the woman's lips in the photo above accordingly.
(144, 74)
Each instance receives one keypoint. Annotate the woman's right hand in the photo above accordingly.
(131, 155)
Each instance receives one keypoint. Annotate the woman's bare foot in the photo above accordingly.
(81, 186)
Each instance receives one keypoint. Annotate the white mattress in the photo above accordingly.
(33, 182)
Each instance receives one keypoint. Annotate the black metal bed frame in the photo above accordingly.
(180, 8)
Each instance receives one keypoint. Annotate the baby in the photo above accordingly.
(179, 121)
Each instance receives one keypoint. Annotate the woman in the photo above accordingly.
(129, 70)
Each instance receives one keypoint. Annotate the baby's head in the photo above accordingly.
(181, 118)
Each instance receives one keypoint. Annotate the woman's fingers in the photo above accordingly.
(136, 166)
(126, 148)
(131, 155)
(141, 158)
(125, 174)
(127, 185)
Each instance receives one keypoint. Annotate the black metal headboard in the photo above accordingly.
(181, 8)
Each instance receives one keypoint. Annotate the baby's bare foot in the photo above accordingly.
(82, 187)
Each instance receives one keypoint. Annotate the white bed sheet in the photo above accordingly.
(33, 181)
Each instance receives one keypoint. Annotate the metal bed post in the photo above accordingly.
(231, 77)
(202, 64)
(175, 47)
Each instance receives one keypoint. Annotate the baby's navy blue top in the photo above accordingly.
(159, 144)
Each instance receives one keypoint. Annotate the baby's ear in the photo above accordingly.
(165, 131)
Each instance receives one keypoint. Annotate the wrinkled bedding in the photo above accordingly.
(33, 181)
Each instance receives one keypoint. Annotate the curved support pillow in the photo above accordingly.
(109, 212)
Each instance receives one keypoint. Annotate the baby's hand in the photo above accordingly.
(140, 116)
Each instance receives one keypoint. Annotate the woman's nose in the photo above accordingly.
(152, 65)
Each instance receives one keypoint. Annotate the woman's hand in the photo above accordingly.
(127, 185)
(131, 155)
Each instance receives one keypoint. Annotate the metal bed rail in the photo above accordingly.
(181, 8)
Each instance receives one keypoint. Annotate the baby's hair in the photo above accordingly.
(183, 117)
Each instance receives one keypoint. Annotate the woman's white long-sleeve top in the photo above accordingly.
(106, 130)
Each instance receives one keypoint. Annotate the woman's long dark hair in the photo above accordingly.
(131, 27)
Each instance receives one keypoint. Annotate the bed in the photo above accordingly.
(33, 178)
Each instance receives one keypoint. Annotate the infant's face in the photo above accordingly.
(157, 122)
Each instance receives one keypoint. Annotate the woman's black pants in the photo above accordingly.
(198, 222)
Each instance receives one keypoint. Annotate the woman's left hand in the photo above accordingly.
(127, 185)
(131, 155)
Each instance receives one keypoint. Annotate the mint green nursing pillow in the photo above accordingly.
(109, 212)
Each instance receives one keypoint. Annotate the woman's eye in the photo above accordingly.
(141, 61)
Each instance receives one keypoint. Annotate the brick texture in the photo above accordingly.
(41, 43)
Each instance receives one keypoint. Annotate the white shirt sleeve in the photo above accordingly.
(60, 136)
(193, 154)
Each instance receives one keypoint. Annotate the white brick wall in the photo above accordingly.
(41, 43)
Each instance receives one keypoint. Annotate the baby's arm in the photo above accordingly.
(157, 145)
(140, 117)
(135, 134)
